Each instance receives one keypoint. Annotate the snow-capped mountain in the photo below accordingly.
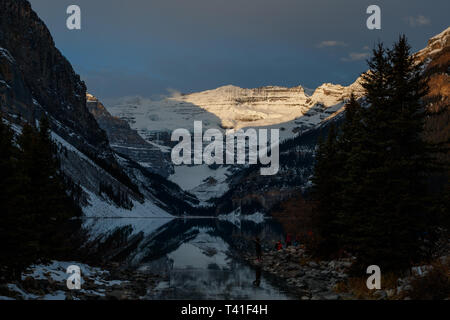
(231, 107)
(435, 46)
(126, 146)
(291, 110)
(252, 191)
(126, 141)
(239, 108)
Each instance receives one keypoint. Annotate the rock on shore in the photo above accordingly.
(315, 280)
(48, 282)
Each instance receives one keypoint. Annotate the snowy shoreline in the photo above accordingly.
(49, 282)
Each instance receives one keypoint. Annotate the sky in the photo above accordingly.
(154, 47)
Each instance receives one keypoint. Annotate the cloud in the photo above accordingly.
(331, 43)
(149, 46)
(356, 56)
(417, 21)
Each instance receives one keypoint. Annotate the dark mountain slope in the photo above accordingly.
(36, 79)
(49, 77)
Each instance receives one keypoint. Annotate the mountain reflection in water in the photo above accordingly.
(199, 257)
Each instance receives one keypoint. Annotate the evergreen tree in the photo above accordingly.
(325, 192)
(48, 204)
(337, 168)
(38, 210)
(8, 191)
(354, 157)
(353, 126)
(378, 206)
(7, 152)
(388, 227)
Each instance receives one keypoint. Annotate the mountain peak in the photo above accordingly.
(435, 45)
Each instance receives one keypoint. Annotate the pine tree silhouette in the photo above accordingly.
(371, 188)
(36, 208)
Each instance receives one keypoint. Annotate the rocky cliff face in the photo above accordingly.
(128, 142)
(15, 96)
(35, 79)
(436, 57)
(39, 71)
(435, 46)
(266, 106)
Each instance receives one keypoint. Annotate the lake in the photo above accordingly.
(199, 258)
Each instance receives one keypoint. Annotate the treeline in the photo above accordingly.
(371, 176)
(36, 199)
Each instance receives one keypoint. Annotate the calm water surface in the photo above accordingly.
(197, 256)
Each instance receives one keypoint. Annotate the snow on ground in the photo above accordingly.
(63, 143)
(100, 208)
(55, 272)
(145, 115)
(25, 295)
